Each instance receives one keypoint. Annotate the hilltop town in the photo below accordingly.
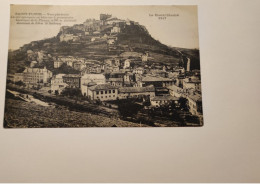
(115, 64)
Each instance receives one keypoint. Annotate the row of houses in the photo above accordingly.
(96, 87)
(74, 62)
(120, 84)
(38, 75)
(42, 75)
(109, 65)
(107, 92)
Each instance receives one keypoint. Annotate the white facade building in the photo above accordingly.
(57, 84)
(36, 75)
(158, 101)
(127, 63)
(102, 92)
(91, 78)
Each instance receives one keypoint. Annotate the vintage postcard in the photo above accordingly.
(103, 66)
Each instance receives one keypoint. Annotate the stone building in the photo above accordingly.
(73, 80)
(36, 75)
(57, 84)
(102, 92)
(136, 92)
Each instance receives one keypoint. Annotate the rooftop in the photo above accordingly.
(118, 72)
(164, 98)
(35, 70)
(174, 88)
(59, 76)
(115, 79)
(93, 76)
(72, 75)
(155, 79)
(102, 87)
(192, 80)
(136, 89)
(195, 97)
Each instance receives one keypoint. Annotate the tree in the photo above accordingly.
(56, 92)
(9, 81)
(66, 69)
(20, 83)
(98, 102)
(183, 104)
(128, 108)
(71, 92)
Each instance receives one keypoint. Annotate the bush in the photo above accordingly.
(20, 83)
(56, 92)
(192, 119)
(146, 121)
(9, 82)
(71, 92)
(128, 108)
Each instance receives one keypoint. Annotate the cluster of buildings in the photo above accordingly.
(116, 79)
(37, 57)
(104, 29)
(77, 63)
(32, 76)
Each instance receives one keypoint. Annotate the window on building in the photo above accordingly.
(101, 92)
(109, 91)
(114, 91)
(97, 92)
(105, 92)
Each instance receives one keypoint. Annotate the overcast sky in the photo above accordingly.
(176, 31)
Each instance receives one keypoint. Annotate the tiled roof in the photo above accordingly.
(93, 76)
(118, 72)
(115, 79)
(136, 89)
(59, 76)
(102, 87)
(192, 80)
(164, 98)
(72, 75)
(195, 97)
(35, 70)
(155, 79)
(175, 88)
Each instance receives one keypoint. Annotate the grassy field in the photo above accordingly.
(21, 114)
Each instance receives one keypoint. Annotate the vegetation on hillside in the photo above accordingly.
(134, 38)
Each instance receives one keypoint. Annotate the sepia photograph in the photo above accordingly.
(101, 66)
(130, 91)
